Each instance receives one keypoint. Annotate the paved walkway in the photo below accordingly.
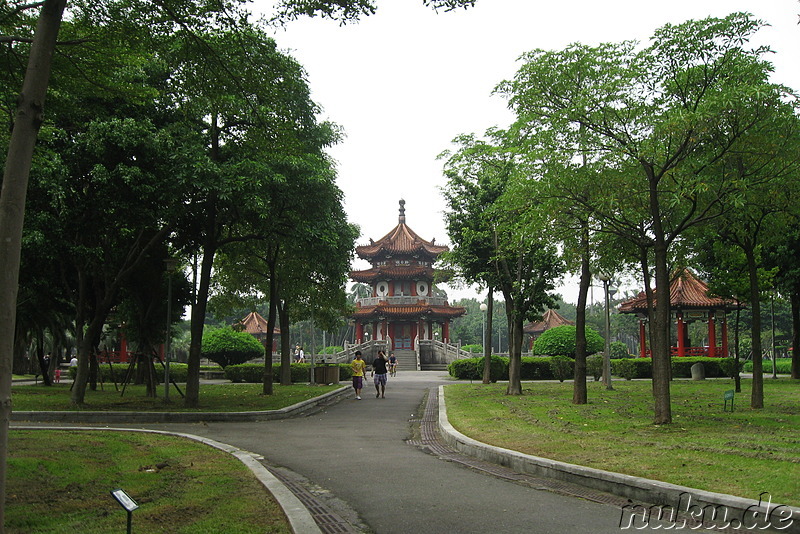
(364, 466)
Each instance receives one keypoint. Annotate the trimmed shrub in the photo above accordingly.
(630, 368)
(594, 366)
(560, 341)
(472, 368)
(618, 349)
(178, 372)
(332, 349)
(226, 346)
(784, 366)
(254, 372)
(682, 367)
(536, 368)
(562, 367)
(472, 348)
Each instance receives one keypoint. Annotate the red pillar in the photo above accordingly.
(725, 335)
(712, 335)
(642, 339)
(123, 348)
(681, 336)
(446, 331)
(359, 333)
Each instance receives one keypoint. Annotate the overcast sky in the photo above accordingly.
(404, 82)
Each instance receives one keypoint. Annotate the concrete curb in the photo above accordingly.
(176, 417)
(641, 491)
(299, 517)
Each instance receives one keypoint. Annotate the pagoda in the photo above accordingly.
(401, 308)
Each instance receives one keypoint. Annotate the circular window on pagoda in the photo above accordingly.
(422, 288)
(382, 289)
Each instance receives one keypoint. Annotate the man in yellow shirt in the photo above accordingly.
(359, 371)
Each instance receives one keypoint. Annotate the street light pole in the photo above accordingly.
(607, 353)
(484, 307)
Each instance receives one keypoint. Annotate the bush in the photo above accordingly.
(560, 341)
(784, 366)
(562, 367)
(332, 349)
(472, 369)
(594, 367)
(714, 368)
(536, 368)
(178, 372)
(226, 346)
(473, 348)
(254, 372)
(630, 368)
(618, 349)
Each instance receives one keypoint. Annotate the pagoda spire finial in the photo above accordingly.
(402, 218)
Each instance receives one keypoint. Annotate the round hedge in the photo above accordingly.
(560, 341)
(226, 346)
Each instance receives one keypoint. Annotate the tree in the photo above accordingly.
(226, 346)
(560, 341)
(661, 117)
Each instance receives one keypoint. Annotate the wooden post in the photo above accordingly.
(681, 336)
(712, 335)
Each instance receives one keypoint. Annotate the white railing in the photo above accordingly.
(405, 300)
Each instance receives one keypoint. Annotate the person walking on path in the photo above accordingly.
(379, 374)
(392, 364)
(359, 367)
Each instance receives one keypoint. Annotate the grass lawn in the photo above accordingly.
(60, 482)
(742, 453)
(213, 398)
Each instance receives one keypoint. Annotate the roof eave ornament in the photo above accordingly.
(402, 218)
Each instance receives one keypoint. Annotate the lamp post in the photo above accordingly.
(607, 353)
(170, 264)
(484, 307)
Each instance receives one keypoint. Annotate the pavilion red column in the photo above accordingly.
(642, 339)
(681, 336)
(712, 335)
(359, 332)
(725, 335)
(446, 331)
(123, 348)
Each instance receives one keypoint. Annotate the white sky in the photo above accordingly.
(404, 82)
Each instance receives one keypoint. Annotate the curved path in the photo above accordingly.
(359, 459)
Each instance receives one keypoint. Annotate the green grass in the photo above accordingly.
(60, 482)
(213, 398)
(742, 453)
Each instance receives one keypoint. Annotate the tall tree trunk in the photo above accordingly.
(579, 390)
(267, 380)
(757, 394)
(487, 347)
(198, 318)
(515, 336)
(27, 121)
(795, 300)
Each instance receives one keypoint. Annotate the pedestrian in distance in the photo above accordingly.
(379, 373)
(392, 364)
(359, 367)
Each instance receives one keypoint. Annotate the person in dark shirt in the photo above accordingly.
(379, 373)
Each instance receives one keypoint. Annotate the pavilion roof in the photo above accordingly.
(408, 311)
(256, 325)
(393, 272)
(550, 319)
(686, 291)
(400, 240)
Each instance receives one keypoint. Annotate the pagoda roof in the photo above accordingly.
(393, 272)
(550, 319)
(400, 240)
(408, 311)
(256, 325)
(686, 291)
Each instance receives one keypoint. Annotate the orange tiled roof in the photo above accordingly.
(394, 272)
(550, 319)
(409, 311)
(400, 240)
(256, 325)
(686, 291)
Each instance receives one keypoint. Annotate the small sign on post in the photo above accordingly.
(127, 503)
(728, 396)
